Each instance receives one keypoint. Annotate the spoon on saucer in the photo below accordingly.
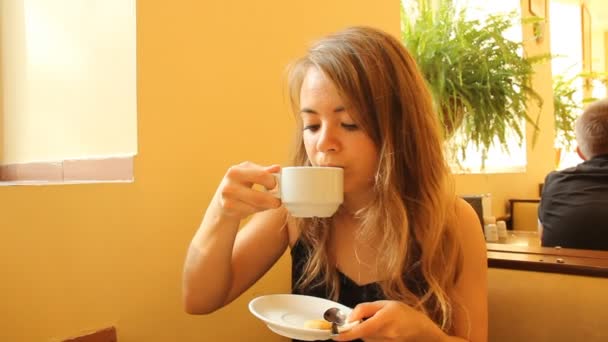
(336, 317)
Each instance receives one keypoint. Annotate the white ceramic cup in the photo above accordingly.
(310, 191)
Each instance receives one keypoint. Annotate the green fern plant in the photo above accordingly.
(479, 79)
(565, 110)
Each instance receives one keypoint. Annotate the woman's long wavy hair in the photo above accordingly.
(412, 218)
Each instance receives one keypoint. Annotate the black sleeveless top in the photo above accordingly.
(351, 294)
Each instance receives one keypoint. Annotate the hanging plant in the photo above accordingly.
(479, 79)
(565, 110)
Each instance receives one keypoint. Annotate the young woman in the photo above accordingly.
(402, 249)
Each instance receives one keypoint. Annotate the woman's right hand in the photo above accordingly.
(236, 196)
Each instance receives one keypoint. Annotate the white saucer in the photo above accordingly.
(286, 314)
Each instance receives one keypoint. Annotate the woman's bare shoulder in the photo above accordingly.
(468, 223)
(464, 211)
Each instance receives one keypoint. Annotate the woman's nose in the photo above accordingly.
(328, 140)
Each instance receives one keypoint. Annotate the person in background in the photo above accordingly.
(573, 211)
(402, 249)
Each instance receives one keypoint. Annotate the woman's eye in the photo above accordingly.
(350, 127)
(311, 128)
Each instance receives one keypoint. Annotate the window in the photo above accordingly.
(568, 61)
(68, 82)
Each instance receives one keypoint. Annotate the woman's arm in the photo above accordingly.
(221, 264)
(471, 320)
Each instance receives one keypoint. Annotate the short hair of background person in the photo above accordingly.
(591, 130)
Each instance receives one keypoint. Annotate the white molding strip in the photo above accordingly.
(110, 169)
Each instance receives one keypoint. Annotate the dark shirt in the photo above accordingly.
(574, 206)
(351, 294)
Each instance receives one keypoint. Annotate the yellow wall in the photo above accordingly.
(210, 94)
(541, 156)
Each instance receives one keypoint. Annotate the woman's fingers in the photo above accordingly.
(273, 168)
(369, 327)
(238, 198)
(365, 310)
(249, 173)
(249, 196)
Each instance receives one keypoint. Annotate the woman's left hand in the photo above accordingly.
(390, 320)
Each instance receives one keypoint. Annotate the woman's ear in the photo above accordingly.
(580, 153)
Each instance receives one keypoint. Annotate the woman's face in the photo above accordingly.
(331, 137)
